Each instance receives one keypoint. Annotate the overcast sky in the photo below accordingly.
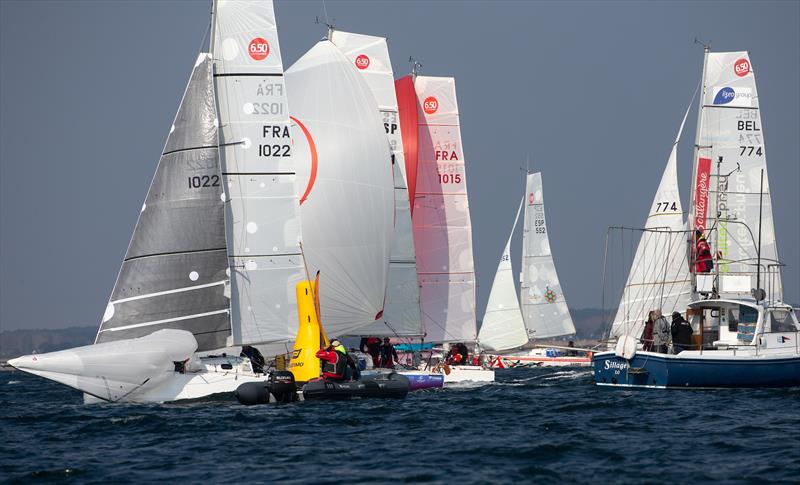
(592, 91)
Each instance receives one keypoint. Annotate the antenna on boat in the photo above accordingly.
(415, 67)
(706, 45)
(326, 23)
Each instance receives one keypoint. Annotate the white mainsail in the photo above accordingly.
(401, 316)
(659, 277)
(730, 127)
(440, 215)
(347, 202)
(262, 214)
(503, 327)
(544, 307)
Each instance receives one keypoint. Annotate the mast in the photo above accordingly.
(690, 239)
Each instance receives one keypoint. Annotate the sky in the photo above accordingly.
(591, 92)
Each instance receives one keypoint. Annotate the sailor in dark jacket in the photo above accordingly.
(256, 359)
(681, 331)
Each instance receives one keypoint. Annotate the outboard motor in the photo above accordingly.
(283, 386)
(251, 393)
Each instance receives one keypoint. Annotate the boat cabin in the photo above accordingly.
(720, 324)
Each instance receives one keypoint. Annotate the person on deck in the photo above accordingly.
(705, 262)
(464, 351)
(661, 333)
(455, 357)
(571, 353)
(371, 346)
(681, 333)
(336, 364)
(647, 334)
(256, 359)
(388, 355)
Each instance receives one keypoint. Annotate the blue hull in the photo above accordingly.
(657, 370)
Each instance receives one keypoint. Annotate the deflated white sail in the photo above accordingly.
(174, 272)
(659, 277)
(262, 215)
(401, 315)
(347, 205)
(440, 217)
(544, 307)
(503, 327)
(730, 127)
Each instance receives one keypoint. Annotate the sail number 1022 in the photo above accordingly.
(199, 182)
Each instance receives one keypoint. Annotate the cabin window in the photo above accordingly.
(733, 319)
(781, 321)
(746, 327)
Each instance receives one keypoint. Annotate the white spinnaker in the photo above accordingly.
(347, 205)
(261, 216)
(503, 327)
(441, 221)
(544, 307)
(659, 277)
(401, 316)
(730, 126)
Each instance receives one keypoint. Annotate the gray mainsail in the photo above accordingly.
(174, 272)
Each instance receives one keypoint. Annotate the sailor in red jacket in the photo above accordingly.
(705, 262)
(335, 362)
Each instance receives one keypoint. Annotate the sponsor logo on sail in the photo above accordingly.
(741, 67)
(701, 193)
(531, 199)
(362, 61)
(258, 49)
(430, 105)
(742, 97)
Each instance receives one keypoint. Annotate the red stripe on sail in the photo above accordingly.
(407, 109)
(702, 185)
(314, 160)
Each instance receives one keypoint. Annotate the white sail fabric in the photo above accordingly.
(401, 316)
(659, 277)
(174, 272)
(347, 206)
(441, 221)
(262, 215)
(503, 327)
(730, 127)
(544, 307)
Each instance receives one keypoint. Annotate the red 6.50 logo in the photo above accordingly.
(430, 105)
(258, 49)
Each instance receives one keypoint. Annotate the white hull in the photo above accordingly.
(538, 358)
(465, 374)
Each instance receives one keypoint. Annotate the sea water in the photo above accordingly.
(533, 425)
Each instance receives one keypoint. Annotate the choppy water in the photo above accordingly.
(534, 425)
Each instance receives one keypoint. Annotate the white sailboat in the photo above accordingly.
(743, 333)
(440, 217)
(543, 313)
(215, 256)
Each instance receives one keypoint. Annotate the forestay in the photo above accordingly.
(401, 315)
(174, 272)
(503, 327)
(659, 277)
(544, 307)
(262, 215)
(730, 127)
(440, 214)
(347, 206)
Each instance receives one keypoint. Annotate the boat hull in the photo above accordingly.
(652, 370)
(417, 379)
(509, 361)
(466, 374)
(386, 386)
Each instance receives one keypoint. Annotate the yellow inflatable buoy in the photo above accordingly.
(310, 335)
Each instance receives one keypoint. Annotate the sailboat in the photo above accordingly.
(437, 187)
(744, 335)
(216, 253)
(544, 313)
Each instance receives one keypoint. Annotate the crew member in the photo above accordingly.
(336, 364)
(661, 335)
(647, 334)
(371, 346)
(256, 359)
(455, 357)
(681, 333)
(571, 353)
(464, 351)
(388, 355)
(705, 262)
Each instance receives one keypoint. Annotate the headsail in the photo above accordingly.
(730, 127)
(262, 215)
(659, 277)
(544, 307)
(401, 316)
(174, 272)
(503, 327)
(440, 210)
(347, 205)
